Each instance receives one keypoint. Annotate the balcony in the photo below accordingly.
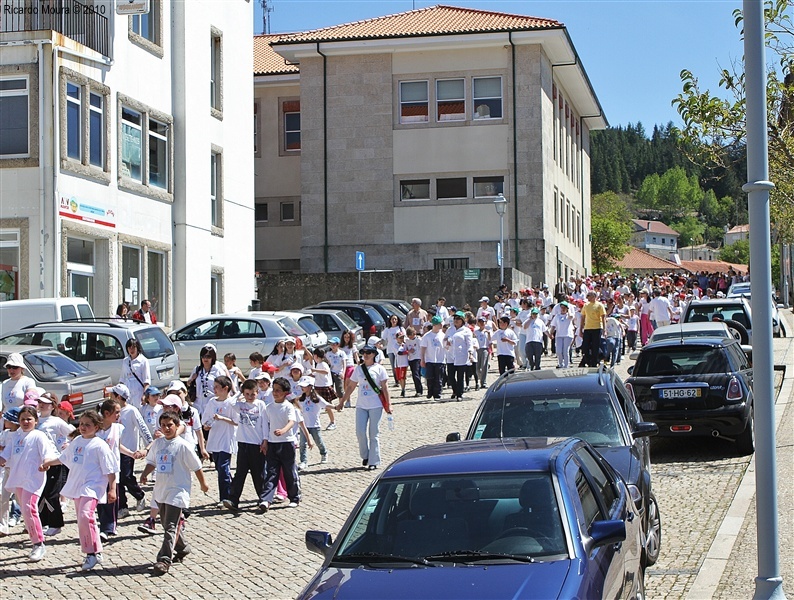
(83, 23)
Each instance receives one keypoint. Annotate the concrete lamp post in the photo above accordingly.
(500, 204)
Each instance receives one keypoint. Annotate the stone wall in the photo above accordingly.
(296, 290)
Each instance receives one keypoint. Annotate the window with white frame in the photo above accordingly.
(414, 102)
(216, 202)
(147, 25)
(450, 100)
(415, 189)
(84, 128)
(158, 154)
(562, 214)
(131, 144)
(216, 91)
(14, 98)
(74, 120)
(485, 187)
(487, 97)
(96, 130)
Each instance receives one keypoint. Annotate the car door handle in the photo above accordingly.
(618, 547)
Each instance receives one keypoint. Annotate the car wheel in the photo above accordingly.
(653, 534)
(745, 443)
(738, 331)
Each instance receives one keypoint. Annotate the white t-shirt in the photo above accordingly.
(112, 435)
(461, 341)
(90, 462)
(367, 398)
(390, 337)
(350, 354)
(56, 429)
(205, 385)
(174, 462)
(14, 391)
(486, 313)
(134, 427)
(563, 325)
(311, 411)
(25, 451)
(337, 361)
(535, 329)
(412, 347)
(222, 434)
(433, 343)
(322, 374)
(504, 348)
(278, 415)
(401, 360)
(482, 337)
(151, 416)
(250, 421)
(192, 425)
(131, 372)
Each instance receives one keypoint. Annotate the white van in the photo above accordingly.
(16, 314)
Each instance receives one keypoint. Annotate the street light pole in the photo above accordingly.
(500, 204)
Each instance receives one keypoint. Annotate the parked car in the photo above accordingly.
(100, 345)
(698, 386)
(742, 290)
(59, 375)
(239, 333)
(385, 309)
(16, 314)
(690, 330)
(521, 518)
(591, 404)
(335, 322)
(366, 316)
(315, 336)
(404, 306)
(736, 313)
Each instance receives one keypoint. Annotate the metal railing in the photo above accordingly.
(84, 23)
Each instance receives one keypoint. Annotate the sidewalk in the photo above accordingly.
(731, 565)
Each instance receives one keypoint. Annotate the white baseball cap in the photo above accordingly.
(306, 381)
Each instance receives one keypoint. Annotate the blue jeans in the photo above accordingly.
(318, 439)
(613, 350)
(223, 461)
(367, 422)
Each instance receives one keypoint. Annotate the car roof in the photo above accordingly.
(575, 379)
(710, 301)
(295, 314)
(692, 341)
(89, 324)
(479, 456)
(9, 349)
(688, 328)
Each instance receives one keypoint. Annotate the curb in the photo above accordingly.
(713, 567)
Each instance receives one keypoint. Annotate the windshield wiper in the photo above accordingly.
(375, 557)
(476, 555)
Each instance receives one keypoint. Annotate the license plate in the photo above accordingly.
(166, 373)
(681, 393)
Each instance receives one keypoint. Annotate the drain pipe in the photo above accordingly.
(515, 149)
(56, 153)
(325, 157)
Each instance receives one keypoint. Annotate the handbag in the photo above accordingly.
(384, 400)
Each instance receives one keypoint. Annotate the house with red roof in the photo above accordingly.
(654, 237)
(393, 136)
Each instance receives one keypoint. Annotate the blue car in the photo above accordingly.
(510, 518)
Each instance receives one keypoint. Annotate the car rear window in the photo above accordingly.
(291, 327)
(703, 314)
(49, 366)
(681, 360)
(374, 315)
(590, 417)
(309, 326)
(155, 342)
(346, 320)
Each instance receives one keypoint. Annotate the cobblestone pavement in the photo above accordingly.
(264, 556)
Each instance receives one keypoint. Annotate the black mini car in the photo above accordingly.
(696, 386)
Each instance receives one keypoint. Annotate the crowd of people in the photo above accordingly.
(270, 418)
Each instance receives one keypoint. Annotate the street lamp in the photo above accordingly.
(500, 204)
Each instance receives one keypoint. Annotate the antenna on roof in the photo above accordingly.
(266, 10)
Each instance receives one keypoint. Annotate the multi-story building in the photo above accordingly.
(654, 237)
(394, 136)
(123, 171)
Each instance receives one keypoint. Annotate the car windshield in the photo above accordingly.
(346, 321)
(291, 327)
(51, 366)
(155, 342)
(438, 517)
(680, 360)
(590, 417)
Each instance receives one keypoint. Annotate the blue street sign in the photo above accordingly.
(359, 261)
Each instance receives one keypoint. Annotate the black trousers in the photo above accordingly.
(249, 459)
(506, 362)
(591, 343)
(50, 511)
(416, 374)
(433, 372)
(281, 457)
(533, 350)
(127, 481)
(457, 375)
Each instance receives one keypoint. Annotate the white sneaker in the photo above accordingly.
(324, 459)
(141, 505)
(91, 560)
(292, 505)
(331, 427)
(302, 466)
(51, 531)
(37, 553)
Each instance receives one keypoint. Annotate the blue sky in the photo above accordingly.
(632, 50)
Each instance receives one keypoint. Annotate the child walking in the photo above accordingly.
(249, 415)
(92, 480)
(218, 419)
(174, 459)
(321, 372)
(337, 361)
(401, 358)
(311, 404)
(27, 449)
(133, 429)
(279, 445)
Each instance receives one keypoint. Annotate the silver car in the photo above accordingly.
(101, 345)
(239, 333)
(316, 337)
(59, 375)
(335, 322)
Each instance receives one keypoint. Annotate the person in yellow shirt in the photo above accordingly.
(593, 324)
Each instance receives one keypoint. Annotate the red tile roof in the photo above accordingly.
(712, 266)
(431, 21)
(266, 61)
(739, 229)
(639, 260)
(655, 227)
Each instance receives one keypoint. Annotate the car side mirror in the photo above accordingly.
(603, 533)
(631, 369)
(634, 355)
(645, 429)
(453, 437)
(319, 542)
